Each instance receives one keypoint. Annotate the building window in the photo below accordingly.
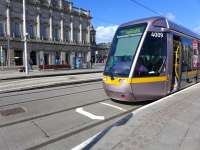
(56, 34)
(75, 36)
(55, 3)
(67, 35)
(57, 58)
(18, 55)
(30, 29)
(44, 32)
(16, 29)
(1, 29)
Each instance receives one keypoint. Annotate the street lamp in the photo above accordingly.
(1, 53)
(25, 34)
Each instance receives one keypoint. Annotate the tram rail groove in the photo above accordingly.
(48, 114)
(81, 129)
(49, 89)
(49, 98)
(51, 85)
(48, 75)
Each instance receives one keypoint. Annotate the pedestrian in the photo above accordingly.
(31, 64)
(91, 63)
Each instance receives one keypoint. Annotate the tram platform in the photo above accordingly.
(171, 123)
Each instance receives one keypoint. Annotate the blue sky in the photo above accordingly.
(108, 14)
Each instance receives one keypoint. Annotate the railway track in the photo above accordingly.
(42, 90)
(47, 82)
(50, 99)
(54, 116)
(84, 128)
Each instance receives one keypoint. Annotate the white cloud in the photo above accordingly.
(171, 16)
(105, 34)
(197, 29)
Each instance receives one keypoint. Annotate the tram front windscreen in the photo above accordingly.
(123, 50)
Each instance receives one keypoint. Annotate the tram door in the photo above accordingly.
(176, 73)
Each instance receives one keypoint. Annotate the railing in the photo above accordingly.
(48, 40)
(80, 11)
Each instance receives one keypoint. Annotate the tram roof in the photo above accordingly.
(160, 21)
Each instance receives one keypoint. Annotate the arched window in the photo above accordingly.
(45, 2)
(55, 3)
(2, 28)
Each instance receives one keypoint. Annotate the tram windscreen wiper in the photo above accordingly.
(111, 73)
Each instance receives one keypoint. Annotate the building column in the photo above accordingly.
(62, 57)
(72, 56)
(88, 56)
(37, 58)
(38, 24)
(62, 29)
(70, 7)
(52, 58)
(71, 29)
(61, 3)
(80, 34)
(88, 33)
(51, 26)
(41, 57)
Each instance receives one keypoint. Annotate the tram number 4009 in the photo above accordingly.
(157, 34)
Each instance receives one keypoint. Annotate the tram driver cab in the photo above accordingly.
(143, 64)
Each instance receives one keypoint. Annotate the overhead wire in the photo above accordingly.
(146, 7)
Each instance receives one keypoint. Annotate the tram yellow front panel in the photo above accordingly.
(149, 79)
(116, 81)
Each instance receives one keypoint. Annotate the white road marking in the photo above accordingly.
(85, 143)
(113, 106)
(89, 115)
(137, 111)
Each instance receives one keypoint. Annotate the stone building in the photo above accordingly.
(101, 52)
(58, 33)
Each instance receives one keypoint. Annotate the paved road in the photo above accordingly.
(56, 118)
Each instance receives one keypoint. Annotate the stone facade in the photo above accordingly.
(101, 52)
(58, 33)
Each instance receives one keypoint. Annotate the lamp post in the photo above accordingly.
(1, 57)
(25, 38)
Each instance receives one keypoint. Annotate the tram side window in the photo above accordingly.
(186, 55)
(153, 56)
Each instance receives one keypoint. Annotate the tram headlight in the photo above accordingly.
(104, 79)
(122, 81)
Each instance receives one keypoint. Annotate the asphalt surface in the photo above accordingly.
(56, 118)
